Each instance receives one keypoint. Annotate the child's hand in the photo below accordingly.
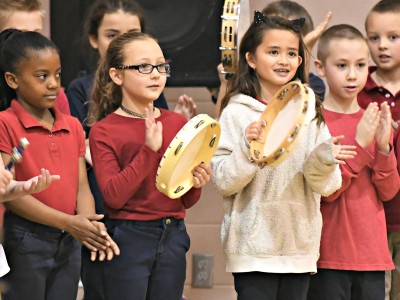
(201, 175)
(186, 107)
(82, 229)
(5, 179)
(342, 152)
(383, 131)
(112, 250)
(153, 130)
(40, 183)
(313, 36)
(254, 130)
(222, 76)
(367, 126)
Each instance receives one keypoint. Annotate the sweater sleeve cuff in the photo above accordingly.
(383, 161)
(151, 157)
(360, 160)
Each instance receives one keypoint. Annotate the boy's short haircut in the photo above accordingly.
(384, 6)
(337, 32)
(290, 10)
(9, 6)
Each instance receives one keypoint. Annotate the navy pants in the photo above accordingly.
(271, 286)
(92, 277)
(92, 271)
(347, 285)
(44, 261)
(152, 263)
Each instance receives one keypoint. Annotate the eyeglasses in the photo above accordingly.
(148, 68)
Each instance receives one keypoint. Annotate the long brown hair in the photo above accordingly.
(245, 81)
(107, 95)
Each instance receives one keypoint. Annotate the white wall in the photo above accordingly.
(344, 11)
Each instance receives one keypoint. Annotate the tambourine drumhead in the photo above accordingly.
(235, 22)
(195, 143)
(286, 117)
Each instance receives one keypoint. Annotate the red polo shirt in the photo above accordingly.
(57, 150)
(372, 92)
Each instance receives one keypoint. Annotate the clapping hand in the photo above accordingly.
(368, 125)
(153, 130)
(312, 37)
(186, 107)
(383, 131)
(342, 152)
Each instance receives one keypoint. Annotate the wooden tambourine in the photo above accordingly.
(235, 22)
(287, 115)
(195, 143)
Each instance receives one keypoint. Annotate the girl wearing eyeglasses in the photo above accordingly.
(127, 141)
(106, 20)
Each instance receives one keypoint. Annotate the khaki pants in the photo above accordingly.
(392, 278)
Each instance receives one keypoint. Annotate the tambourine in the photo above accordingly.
(195, 143)
(287, 115)
(235, 22)
(16, 155)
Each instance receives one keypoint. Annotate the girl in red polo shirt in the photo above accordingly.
(40, 229)
(127, 144)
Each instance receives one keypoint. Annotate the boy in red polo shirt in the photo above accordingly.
(383, 84)
(42, 231)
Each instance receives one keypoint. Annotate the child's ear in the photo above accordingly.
(300, 60)
(11, 80)
(115, 75)
(319, 69)
(250, 60)
(93, 42)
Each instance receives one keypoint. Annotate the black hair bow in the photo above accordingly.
(296, 24)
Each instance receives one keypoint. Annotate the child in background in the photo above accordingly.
(383, 84)
(27, 15)
(106, 20)
(292, 10)
(354, 252)
(30, 81)
(127, 142)
(272, 224)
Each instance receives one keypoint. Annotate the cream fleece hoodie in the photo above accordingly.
(272, 220)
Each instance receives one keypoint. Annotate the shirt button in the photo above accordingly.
(50, 135)
(380, 90)
(168, 221)
(392, 104)
(387, 95)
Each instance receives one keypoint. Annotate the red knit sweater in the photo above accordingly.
(354, 227)
(126, 169)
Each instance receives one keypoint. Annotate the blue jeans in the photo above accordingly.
(44, 261)
(152, 263)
